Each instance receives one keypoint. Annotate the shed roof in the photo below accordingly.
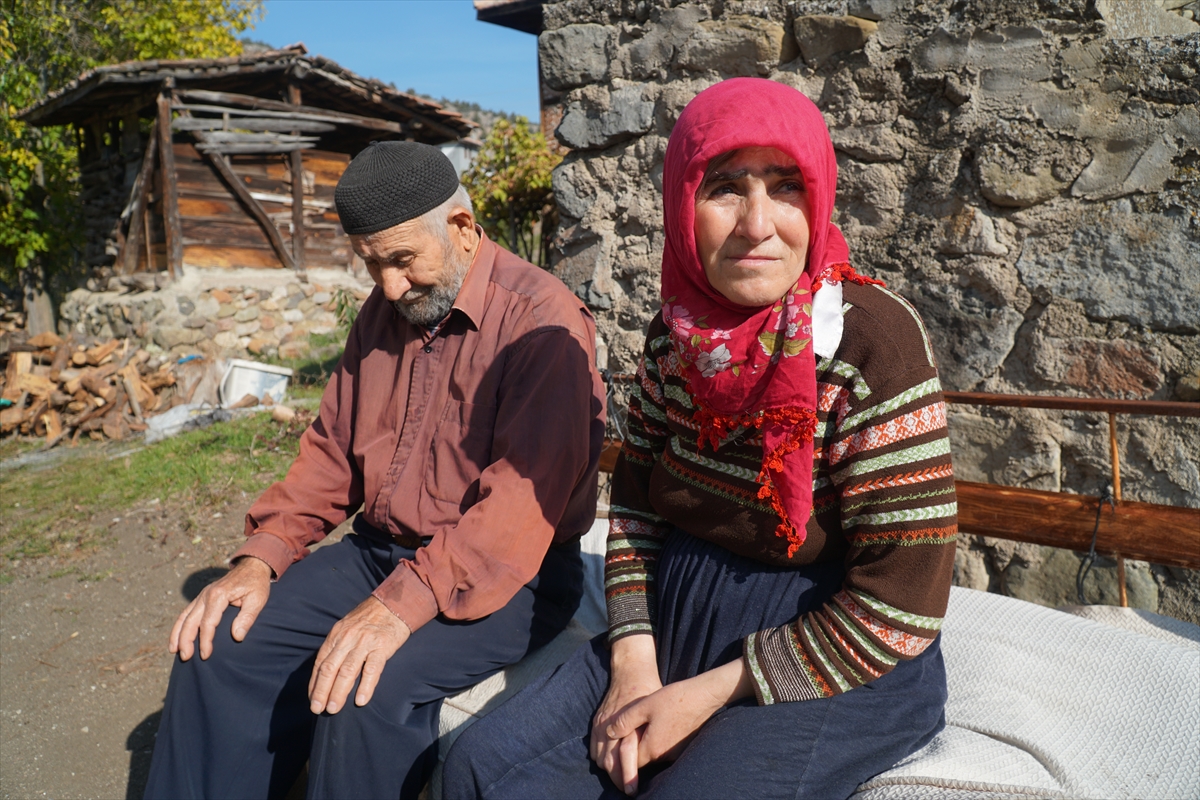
(113, 90)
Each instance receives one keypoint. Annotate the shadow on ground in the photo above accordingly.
(140, 745)
(140, 742)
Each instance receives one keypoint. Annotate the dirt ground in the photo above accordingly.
(83, 652)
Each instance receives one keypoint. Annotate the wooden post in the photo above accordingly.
(1115, 456)
(297, 190)
(128, 259)
(170, 190)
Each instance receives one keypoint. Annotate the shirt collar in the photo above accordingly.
(473, 293)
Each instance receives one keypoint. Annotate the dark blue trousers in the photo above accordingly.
(238, 724)
(536, 744)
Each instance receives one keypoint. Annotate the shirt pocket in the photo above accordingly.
(460, 451)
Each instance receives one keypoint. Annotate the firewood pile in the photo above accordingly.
(60, 390)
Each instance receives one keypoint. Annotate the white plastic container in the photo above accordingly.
(244, 377)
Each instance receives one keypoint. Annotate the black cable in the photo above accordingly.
(1085, 566)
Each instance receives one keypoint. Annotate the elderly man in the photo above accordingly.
(466, 420)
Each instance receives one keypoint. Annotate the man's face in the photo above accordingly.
(419, 271)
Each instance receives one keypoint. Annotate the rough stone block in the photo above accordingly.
(599, 119)
(868, 143)
(874, 10)
(1136, 19)
(247, 314)
(169, 336)
(645, 57)
(970, 231)
(247, 328)
(822, 37)
(574, 56)
(1140, 268)
(226, 310)
(1011, 189)
(293, 315)
(734, 45)
(1050, 581)
(226, 340)
(1123, 167)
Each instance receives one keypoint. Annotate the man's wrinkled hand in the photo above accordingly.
(246, 586)
(362, 641)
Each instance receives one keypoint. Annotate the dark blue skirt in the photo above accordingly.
(709, 600)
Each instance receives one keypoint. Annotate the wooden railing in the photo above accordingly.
(1159, 534)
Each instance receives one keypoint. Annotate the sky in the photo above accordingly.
(434, 46)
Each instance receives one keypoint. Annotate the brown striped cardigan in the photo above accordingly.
(883, 503)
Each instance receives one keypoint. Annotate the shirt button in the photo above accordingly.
(427, 348)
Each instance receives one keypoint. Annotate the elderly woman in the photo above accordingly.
(783, 514)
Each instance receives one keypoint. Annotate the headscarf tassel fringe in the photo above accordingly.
(836, 273)
(801, 424)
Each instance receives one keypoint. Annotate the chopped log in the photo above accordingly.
(160, 378)
(62, 357)
(92, 382)
(139, 229)
(247, 401)
(113, 424)
(37, 385)
(18, 364)
(100, 354)
(33, 417)
(45, 341)
(54, 426)
(226, 172)
(79, 358)
(288, 110)
(140, 392)
(1167, 535)
(170, 198)
(11, 418)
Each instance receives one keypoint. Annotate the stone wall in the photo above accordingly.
(247, 313)
(1027, 172)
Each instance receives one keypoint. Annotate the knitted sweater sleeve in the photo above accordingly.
(886, 450)
(635, 532)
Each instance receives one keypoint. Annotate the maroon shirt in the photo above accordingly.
(485, 436)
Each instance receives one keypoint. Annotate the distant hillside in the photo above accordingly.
(483, 117)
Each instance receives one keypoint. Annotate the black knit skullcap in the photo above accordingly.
(392, 182)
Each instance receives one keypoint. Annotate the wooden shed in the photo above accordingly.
(227, 162)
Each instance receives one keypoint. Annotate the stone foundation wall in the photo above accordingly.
(1027, 172)
(247, 313)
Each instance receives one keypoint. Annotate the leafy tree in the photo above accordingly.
(44, 44)
(509, 184)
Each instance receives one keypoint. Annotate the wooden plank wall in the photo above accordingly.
(217, 231)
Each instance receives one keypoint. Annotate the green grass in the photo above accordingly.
(50, 511)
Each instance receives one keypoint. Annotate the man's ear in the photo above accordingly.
(463, 221)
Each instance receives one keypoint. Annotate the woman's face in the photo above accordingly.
(752, 226)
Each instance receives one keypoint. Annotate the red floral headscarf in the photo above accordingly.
(752, 368)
